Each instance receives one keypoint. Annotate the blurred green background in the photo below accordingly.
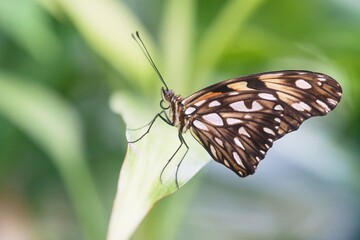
(61, 145)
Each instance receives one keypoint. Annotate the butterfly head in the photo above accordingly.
(166, 95)
(172, 103)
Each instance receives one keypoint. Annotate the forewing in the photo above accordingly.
(247, 114)
(238, 139)
(302, 94)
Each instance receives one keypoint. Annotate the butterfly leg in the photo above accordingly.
(150, 124)
(182, 141)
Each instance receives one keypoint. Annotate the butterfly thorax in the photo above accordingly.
(175, 109)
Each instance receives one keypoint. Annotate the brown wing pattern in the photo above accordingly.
(237, 120)
(303, 95)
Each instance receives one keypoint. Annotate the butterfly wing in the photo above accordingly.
(237, 120)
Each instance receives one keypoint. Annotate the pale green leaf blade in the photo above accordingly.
(139, 186)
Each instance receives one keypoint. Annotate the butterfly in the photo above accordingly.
(238, 120)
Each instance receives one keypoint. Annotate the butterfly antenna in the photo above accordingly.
(143, 48)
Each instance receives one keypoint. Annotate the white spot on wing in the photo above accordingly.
(322, 79)
(269, 131)
(237, 159)
(278, 107)
(277, 120)
(219, 142)
(332, 101)
(214, 119)
(232, 121)
(214, 103)
(200, 125)
(213, 151)
(305, 106)
(271, 75)
(267, 96)
(199, 103)
(226, 163)
(301, 83)
(243, 131)
(301, 106)
(237, 142)
(190, 110)
(323, 105)
(240, 106)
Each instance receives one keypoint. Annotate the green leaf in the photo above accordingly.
(177, 42)
(139, 186)
(224, 28)
(29, 27)
(107, 26)
(56, 128)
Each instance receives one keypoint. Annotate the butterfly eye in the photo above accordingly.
(164, 104)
